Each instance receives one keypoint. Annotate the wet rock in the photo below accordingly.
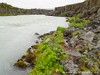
(24, 56)
(29, 58)
(88, 36)
(34, 46)
(29, 51)
(36, 41)
(37, 34)
(20, 64)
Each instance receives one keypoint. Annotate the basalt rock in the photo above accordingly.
(6, 9)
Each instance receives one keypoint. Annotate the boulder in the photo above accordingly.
(73, 53)
(88, 36)
(34, 46)
(70, 67)
(37, 34)
(20, 64)
(73, 41)
(29, 58)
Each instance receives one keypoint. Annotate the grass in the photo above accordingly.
(49, 54)
(77, 22)
(6, 14)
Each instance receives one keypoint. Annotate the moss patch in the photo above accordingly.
(48, 55)
(77, 22)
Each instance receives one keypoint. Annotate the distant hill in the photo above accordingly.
(5, 5)
(8, 10)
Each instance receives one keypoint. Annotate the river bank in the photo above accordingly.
(72, 50)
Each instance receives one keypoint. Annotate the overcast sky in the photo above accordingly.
(48, 4)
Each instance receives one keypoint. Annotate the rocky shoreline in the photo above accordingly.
(68, 51)
(79, 44)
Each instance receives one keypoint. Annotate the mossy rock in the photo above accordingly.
(34, 47)
(24, 56)
(21, 64)
(75, 33)
(29, 58)
(86, 47)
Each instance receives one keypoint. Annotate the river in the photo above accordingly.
(17, 35)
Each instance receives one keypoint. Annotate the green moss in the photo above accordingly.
(6, 14)
(48, 56)
(75, 33)
(61, 29)
(21, 64)
(94, 69)
(77, 22)
(86, 47)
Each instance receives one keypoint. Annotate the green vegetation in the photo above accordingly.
(49, 54)
(77, 22)
(6, 14)
(75, 33)
(5, 5)
(62, 29)
(7, 10)
(64, 14)
(20, 64)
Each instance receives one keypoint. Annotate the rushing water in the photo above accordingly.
(17, 35)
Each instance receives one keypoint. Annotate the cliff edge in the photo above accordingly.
(89, 9)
